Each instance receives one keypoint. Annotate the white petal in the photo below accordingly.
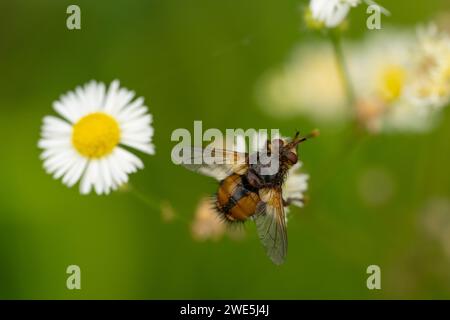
(90, 89)
(142, 122)
(123, 98)
(73, 103)
(65, 167)
(99, 99)
(65, 111)
(106, 174)
(47, 153)
(83, 101)
(335, 18)
(118, 174)
(54, 124)
(55, 162)
(143, 135)
(88, 178)
(132, 107)
(317, 8)
(133, 161)
(111, 96)
(55, 143)
(73, 175)
(133, 115)
(54, 135)
(97, 178)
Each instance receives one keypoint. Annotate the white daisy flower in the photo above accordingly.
(331, 12)
(86, 143)
(401, 80)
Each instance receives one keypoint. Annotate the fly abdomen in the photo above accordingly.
(234, 200)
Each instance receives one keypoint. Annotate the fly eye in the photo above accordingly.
(291, 157)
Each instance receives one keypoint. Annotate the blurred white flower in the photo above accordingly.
(401, 80)
(207, 224)
(331, 12)
(85, 144)
(378, 69)
(309, 84)
(431, 85)
(378, 65)
(295, 186)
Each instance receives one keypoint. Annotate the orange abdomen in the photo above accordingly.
(236, 202)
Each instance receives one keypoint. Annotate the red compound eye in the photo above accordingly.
(291, 157)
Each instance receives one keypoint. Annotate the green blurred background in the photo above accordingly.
(200, 60)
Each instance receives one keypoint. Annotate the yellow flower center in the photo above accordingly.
(392, 81)
(96, 135)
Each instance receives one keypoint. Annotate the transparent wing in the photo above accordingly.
(215, 162)
(271, 224)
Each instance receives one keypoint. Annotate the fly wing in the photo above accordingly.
(215, 162)
(271, 224)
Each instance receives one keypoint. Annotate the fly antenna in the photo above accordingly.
(298, 140)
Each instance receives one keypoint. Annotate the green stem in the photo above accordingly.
(146, 199)
(152, 203)
(355, 135)
(342, 65)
